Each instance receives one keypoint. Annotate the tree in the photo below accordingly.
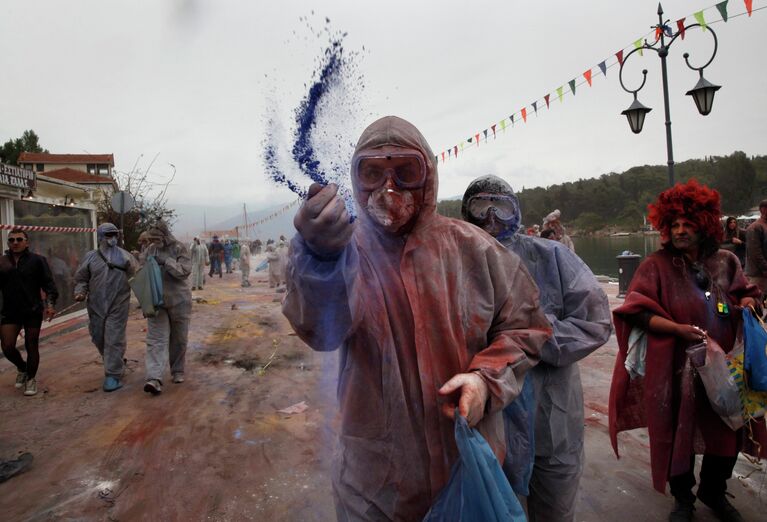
(151, 204)
(29, 142)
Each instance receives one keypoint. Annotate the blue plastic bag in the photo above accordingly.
(155, 280)
(755, 347)
(477, 490)
(519, 427)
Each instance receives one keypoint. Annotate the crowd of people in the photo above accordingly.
(438, 317)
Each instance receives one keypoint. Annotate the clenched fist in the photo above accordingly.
(323, 221)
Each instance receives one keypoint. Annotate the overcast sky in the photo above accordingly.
(186, 79)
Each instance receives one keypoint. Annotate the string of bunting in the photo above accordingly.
(271, 216)
(39, 228)
(588, 78)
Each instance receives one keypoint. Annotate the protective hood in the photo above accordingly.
(491, 185)
(162, 231)
(396, 132)
(111, 253)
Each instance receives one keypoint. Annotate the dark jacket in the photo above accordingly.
(756, 249)
(21, 283)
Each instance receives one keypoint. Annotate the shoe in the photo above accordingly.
(178, 378)
(153, 386)
(30, 388)
(112, 383)
(721, 507)
(21, 379)
(682, 511)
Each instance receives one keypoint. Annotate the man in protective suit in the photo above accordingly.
(166, 335)
(578, 309)
(199, 253)
(245, 264)
(429, 313)
(102, 278)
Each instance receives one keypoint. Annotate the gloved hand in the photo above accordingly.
(79, 297)
(159, 255)
(323, 221)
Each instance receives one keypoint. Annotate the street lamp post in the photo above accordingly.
(702, 93)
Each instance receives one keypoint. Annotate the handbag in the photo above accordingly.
(710, 363)
(477, 490)
(755, 346)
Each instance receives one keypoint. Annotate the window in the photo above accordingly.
(91, 168)
(103, 170)
(39, 167)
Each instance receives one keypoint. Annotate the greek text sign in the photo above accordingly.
(17, 178)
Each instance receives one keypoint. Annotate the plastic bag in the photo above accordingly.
(147, 285)
(710, 362)
(519, 428)
(477, 490)
(755, 340)
(754, 402)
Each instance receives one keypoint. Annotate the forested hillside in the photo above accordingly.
(619, 200)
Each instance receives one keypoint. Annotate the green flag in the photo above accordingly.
(638, 45)
(572, 86)
(559, 93)
(702, 21)
(722, 6)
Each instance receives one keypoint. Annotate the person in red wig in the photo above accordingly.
(685, 293)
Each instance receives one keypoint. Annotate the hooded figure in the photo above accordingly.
(199, 254)
(245, 264)
(228, 253)
(578, 309)
(282, 250)
(552, 222)
(275, 266)
(102, 278)
(427, 311)
(166, 335)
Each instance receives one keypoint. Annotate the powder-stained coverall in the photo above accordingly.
(275, 266)
(579, 311)
(103, 277)
(166, 336)
(199, 254)
(228, 252)
(245, 264)
(282, 250)
(409, 312)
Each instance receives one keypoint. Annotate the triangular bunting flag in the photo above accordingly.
(476, 137)
(455, 151)
(658, 33)
(572, 86)
(702, 21)
(512, 119)
(559, 94)
(638, 45)
(462, 144)
(470, 140)
(547, 100)
(524, 114)
(535, 107)
(587, 75)
(485, 131)
(722, 7)
(749, 6)
(443, 157)
(680, 26)
(493, 127)
(449, 152)
(619, 56)
(503, 125)
(603, 68)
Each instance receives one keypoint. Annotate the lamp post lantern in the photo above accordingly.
(702, 93)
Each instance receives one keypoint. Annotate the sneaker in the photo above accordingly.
(178, 378)
(721, 507)
(112, 383)
(153, 386)
(30, 387)
(21, 379)
(682, 511)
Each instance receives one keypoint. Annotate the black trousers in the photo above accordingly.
(714, 472)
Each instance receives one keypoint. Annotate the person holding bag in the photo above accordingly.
(686, 292)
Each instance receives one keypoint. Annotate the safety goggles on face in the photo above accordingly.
(16, 239)
(111, 234)
(504, 207)
(407, 170)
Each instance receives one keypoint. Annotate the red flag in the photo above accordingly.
(587, 75)
(476, 137)
(524, 114)
(455, 151)
(547, 100)
(493, 127)
(658, 33)
(680, 26)
(749, 5)
(619, 55)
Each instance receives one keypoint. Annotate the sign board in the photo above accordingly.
(122, 202)
(17, 178)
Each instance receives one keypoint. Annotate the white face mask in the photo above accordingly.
(112, 241)
(391, 208)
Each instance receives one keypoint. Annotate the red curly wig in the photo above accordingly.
(691, 200)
